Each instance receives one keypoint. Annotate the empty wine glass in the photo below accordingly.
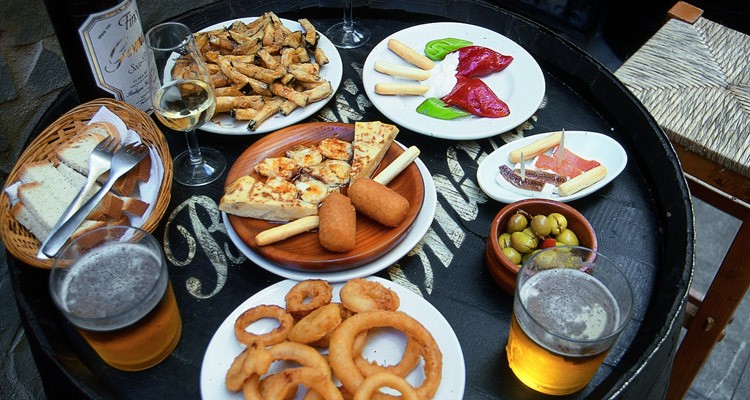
(348, 34)
(183, 99)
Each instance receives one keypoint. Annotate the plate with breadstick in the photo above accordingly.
(268, 72)
(354, 339)
(453, 81)
(54, 168)
(324, 197)
(562, 165)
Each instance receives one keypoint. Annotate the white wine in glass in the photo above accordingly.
(348, 34)
(183, 99)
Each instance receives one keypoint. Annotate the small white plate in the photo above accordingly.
(224, 124)
(389, 345)
(419, 228)
(588, 145)
(520, 85)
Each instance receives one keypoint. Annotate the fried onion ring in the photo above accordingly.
(409, 360)
(301, 354)
(316, 325)
(312, 378)
(306, 296)
(360, 295)
(254, 359)
(256, 313)
(341, 350)
(382, 379)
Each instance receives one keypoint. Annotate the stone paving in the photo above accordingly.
(32, 74)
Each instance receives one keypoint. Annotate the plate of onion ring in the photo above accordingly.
(384, 345)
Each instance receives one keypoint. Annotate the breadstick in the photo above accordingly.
(287, 230)
(582, 181)
(535, 148)
(410, 55)
(397, 165)
(338, 223)
(400, 89)
(400, 71)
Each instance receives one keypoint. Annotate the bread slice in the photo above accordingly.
(248, 197)
(46, 201)
(39, 229)
(76, 151)
(371, 141)
(39, 171)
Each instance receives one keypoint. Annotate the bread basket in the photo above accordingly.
(18, 240)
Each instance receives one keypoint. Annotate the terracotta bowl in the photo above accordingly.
(504, 271)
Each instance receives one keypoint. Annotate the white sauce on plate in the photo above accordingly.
(443, 77)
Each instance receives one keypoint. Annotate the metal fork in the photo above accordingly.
(123, 161)
(100, 161)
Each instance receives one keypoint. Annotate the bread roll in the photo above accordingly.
(378, 202)
(338, 223)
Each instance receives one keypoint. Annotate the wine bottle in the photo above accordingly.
(104, 49)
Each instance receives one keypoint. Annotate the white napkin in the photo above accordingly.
(148, 191)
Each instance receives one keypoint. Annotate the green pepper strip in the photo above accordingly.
(436, 108)
(438, 48)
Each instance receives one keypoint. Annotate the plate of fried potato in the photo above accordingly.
(268, 73)
(385, 345)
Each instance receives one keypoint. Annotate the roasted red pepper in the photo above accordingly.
(480, 61)
(474, 96)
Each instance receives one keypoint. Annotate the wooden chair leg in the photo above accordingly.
(714, 313)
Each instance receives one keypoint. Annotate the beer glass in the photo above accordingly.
(112, 284)
(570, 305)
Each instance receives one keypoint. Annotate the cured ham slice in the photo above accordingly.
(565, 168)
(573, 159)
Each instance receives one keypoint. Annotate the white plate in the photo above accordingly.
(589, 145)
(419, 228)
(520, 85)
(225, 124)
(224, 346)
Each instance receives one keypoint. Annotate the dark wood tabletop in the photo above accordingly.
(643, 220)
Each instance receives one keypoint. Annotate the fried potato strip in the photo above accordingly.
(264, 58)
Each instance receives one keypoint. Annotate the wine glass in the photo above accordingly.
(348, 34)
(183, 99)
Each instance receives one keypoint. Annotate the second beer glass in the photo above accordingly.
(570, 306)
(112, 284)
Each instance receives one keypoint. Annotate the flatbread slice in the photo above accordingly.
(371, 141)
(249, 197)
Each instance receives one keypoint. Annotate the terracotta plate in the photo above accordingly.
(303, 252)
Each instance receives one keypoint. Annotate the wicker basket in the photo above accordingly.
(18, 240)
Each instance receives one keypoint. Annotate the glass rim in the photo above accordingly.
(163, 25)
(616, 332)
(55, 270)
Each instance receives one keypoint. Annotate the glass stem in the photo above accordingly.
(196, 158)
(348, 20)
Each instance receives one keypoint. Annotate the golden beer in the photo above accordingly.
(143, 344)
(565, 320)
(117, 293)
(546, 371)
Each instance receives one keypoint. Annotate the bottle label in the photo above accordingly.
(115, 47)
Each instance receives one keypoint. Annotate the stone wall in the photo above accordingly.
(32, 70)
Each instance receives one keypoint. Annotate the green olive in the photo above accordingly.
(504, 240)
(513, 255)
(558, 223)
(523, 242)
(547, 260)
(541, 225)
(533, 235)
(527, 255)
(567, 237)
(516, 223)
